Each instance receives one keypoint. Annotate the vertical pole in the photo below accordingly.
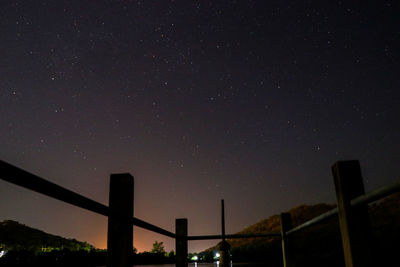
(354, 222)
(223, 219)
(286, 225)
(224, 257)
(181, 243)
(120, 228)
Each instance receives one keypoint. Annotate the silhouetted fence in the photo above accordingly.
(119, 212)
(353, 215)
(352, 211)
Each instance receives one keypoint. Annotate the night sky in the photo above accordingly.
(247, 101)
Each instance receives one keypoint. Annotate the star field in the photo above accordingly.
(200, 100)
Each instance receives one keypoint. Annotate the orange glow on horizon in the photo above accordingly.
(101, 243)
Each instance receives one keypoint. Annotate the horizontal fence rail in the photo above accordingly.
(151, 227)
(361, 200)
(376, 194)
(32, 182)
(233, 236)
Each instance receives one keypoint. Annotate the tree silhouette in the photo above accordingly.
(158, 247)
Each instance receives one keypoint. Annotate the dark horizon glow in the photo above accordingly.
(247, 101)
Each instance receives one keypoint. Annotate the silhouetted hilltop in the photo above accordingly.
(15, 236)
(319, 245)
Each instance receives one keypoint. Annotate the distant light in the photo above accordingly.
(2, 253)
(195, 258)
(217, 255)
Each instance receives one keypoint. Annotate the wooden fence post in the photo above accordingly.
(181, 242)
(354, 222)
(286, 225)
(120, 227)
